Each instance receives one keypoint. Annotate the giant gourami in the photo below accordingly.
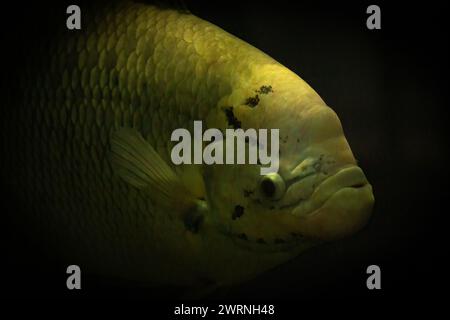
(94, 169)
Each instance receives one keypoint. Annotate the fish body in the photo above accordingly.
(115, 91)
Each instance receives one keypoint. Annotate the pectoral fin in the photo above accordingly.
(135, 161)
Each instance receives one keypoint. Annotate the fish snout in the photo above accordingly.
(339, 206)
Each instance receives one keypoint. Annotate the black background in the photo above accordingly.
(390, 90)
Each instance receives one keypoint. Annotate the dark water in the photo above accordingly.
(390, 90)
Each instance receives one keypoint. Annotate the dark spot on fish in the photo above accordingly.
(248, 193)
(252, 101)
(264, 90)
(298, 140)
(238, 212)
(242, 236)
(317, 166)
(261, 240)
(231, 118)
(278, 241)
(271, 207)
(193, 221)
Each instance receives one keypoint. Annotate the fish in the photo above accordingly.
(90, 157)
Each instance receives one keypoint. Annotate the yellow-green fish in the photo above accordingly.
(90, 152)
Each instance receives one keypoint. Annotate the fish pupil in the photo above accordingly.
(268, 187)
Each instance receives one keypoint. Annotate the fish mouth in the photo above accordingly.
(339, 206)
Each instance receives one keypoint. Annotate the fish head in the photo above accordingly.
(324, 188)
(318, 192)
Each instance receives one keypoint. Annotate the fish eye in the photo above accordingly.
(272, 186)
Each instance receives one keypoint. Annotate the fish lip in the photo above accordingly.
(336, 219)
(359, 188)
(348, 177)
